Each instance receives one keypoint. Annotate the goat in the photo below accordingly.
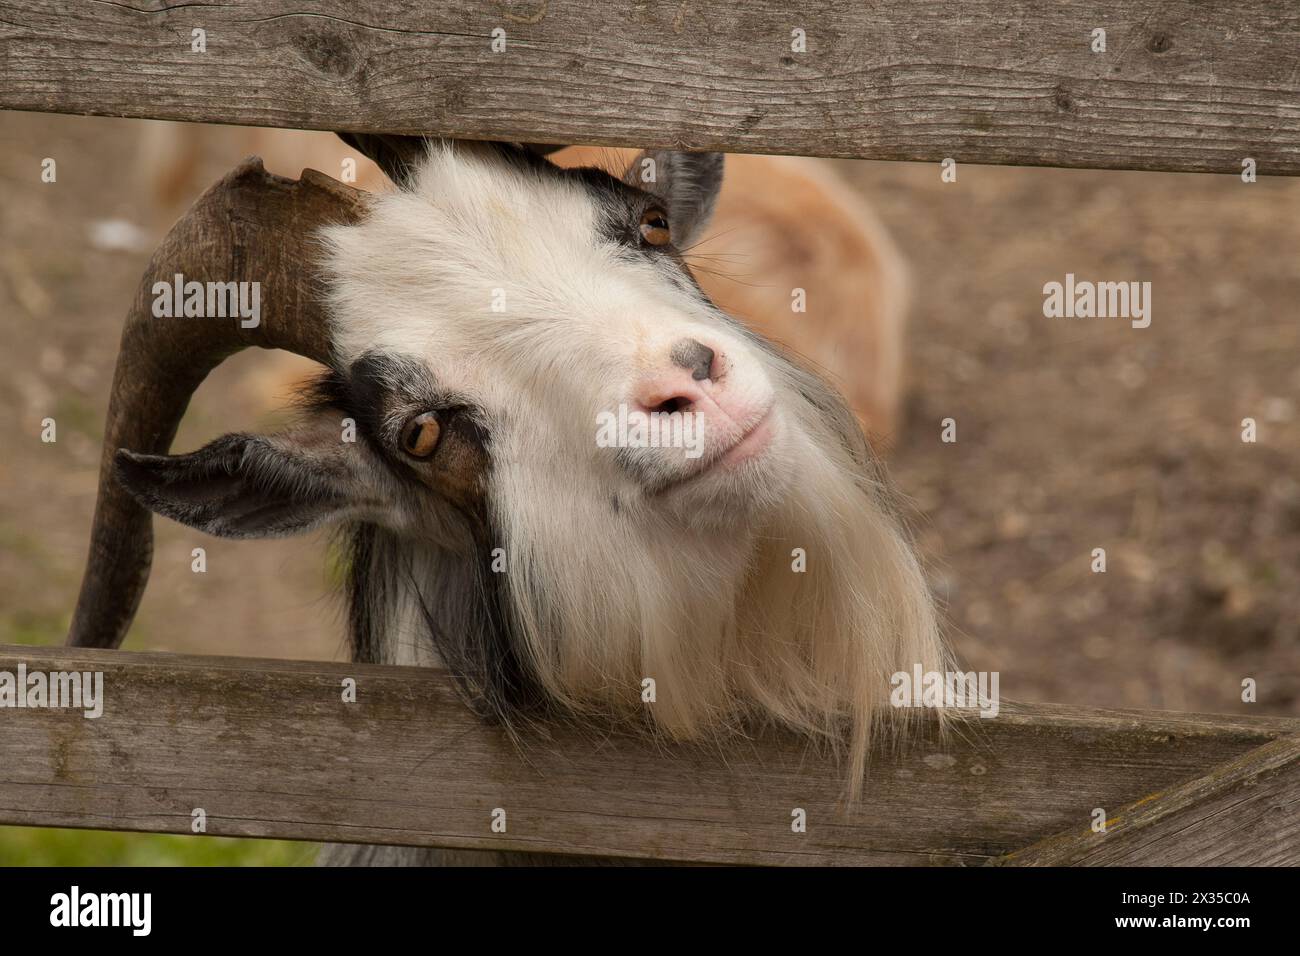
(474, 325)
(780, 223)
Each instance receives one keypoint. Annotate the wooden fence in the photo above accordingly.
(1182, 85)
(269, 748)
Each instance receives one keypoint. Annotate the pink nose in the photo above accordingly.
(681, 386)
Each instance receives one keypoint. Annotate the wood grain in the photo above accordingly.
(268, 749)
(1183, 85)
(1242, 813)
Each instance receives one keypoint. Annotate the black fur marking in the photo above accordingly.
(465, 613)
(622, 203)
(461, 602)
(380, 391)
(686, 186)
(397, 156)
(368, 594)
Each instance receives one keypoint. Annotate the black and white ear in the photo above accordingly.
(256, 486)
(688, 183)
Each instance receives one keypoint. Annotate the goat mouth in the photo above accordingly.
(751, 444)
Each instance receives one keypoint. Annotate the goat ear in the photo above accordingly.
(688, 183)
(255, 486)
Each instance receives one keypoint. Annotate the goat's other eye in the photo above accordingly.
(654, 227)
(420, 435)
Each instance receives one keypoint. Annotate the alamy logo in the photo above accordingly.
(946, 689)
(637, 429)
(1100, 300)
(134, 910)
(208, 300)
(79, 690)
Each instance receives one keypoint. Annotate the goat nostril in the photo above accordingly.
(696, 357)
(675, 404)
(670, 390)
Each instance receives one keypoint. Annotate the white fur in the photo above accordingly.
(693, 587)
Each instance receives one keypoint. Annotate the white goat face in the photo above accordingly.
(485, 320)
(550, 306)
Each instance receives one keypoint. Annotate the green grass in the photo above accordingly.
(32, 846)
(34, 628)
(21, 543)
(78, 414)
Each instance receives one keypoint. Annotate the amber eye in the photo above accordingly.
(420, 435)
(654, 227)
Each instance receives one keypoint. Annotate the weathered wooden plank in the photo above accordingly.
(268, 748)
(1245, 812)
(1182, 85)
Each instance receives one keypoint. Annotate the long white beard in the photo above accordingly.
(797, 613)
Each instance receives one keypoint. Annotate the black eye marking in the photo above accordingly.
(400, 409)
(632, 218)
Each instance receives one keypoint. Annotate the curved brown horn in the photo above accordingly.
(250, 227)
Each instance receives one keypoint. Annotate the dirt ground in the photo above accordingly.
(1072, 434)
